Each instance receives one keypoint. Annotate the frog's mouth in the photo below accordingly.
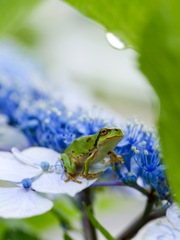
(116, 137)
(112, 141)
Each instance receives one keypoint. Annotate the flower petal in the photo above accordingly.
(22, 158)
(54, 183)
(40, 154)
(162, 231)
(21, 203)
(173, 215)
(12, 170)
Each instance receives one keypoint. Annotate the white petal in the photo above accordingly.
(22, 203)
(41, 154)
(161, 231)
(12, 170)
(22, 158)
(53, 183)
(173, 215)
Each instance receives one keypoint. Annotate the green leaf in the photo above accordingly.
(13, 14)
(126, 19)
(68, 207)
(41, 222)
(63, 219)
(152, 27)
(66, 236)
(96, 224)
(18, 235)
(27, 35)
(3, 229)
(15, 224)
(160, 61)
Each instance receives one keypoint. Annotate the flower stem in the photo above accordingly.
(147, 216)
(89, 230)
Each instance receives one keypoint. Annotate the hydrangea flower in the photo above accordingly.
(136, 138)
(22, 201)
(44, 166)
(162, 229)
(141, 152)
(173, 215)
(34, 170)
(48, 123)
(159, 230)
(150, 168)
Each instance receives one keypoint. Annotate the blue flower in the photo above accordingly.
(152, 171)
(133, 137)
(141, 152)
(43, 119)
(129, 177)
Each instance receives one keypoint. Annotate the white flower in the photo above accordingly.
(162, 229)
(173, 215)
(33, 170)
(13, 170)
(159, 230)
(22, 201)
(34, 162)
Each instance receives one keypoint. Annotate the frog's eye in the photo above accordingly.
(103, 131)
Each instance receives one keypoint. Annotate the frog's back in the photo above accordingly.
(82, 145)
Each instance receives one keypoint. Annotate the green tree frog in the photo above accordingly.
(88, 150)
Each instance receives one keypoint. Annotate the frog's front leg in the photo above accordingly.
(115, 158)
(87, 163)
(70, 168)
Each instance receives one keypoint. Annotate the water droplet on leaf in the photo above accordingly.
(115, 41)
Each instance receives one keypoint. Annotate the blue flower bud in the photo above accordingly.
(26, 182)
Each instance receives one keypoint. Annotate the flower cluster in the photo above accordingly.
(45, 120)
(141, 152)
(48, 123)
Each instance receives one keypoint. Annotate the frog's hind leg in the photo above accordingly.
(92, 175)
(72, 178)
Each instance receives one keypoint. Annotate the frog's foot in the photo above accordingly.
(120, 159)
(92, 175)
(115, 158)
(72, 178)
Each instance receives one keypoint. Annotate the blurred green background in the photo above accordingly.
(76, 55)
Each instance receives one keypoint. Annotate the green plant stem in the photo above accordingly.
(89, 230)
(147, 216)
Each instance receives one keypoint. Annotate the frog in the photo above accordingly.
(87, 150)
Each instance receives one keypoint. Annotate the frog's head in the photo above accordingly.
(109, 138)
